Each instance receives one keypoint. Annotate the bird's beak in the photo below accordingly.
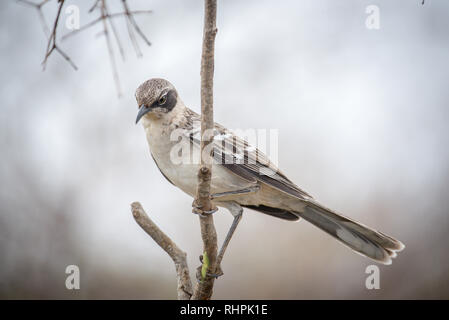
(143, 110)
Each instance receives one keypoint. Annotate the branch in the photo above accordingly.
(176, 254)
(104, 13)
(105, 18)
(131, 21)
(108, 16)
(51, 44)
(202, 203)
(38, 6)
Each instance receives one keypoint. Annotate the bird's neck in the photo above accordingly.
(164, 119)
(158, 129)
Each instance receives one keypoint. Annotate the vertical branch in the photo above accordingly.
(203, 289)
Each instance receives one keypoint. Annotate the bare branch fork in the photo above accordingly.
(202, 205)
(178, 256)
(105, 18)
(51, 44)
(38, 6)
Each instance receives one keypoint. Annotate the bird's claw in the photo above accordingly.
(215, 275)
(218, 273)
(208, 212)
(203, 213)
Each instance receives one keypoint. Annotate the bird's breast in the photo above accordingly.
(170, 154)
(179, 161)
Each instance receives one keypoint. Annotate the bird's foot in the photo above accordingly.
(218, 273)
(197, 209)
(199, 276)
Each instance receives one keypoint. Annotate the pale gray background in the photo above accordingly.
(362, 126)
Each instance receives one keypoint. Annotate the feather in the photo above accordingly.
(242, 159)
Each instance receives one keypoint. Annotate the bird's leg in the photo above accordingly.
(250, 189)
(236, 210)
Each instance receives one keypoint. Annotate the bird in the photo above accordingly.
(242, 176)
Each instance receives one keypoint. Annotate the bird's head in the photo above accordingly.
(155, 98)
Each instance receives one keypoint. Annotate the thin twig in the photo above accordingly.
(204, 288)
(108, 16)
(132, 37)
(43, 22)
(51, 45)
(114, 31)
(133, 22)
(94, 6)
(104, 13)
(66, 57)
(176, 254)
(105, 18)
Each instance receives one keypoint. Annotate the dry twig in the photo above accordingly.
(105, 18)
(99, 19)
(203, 289)
(131, 22)
(51, 44)
(38, 6)
(104, 13)
(178, 256)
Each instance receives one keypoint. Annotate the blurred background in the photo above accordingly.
(362, 118)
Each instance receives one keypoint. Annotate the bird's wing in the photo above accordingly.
(244, 160)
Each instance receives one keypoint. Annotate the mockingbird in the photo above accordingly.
(242, 176)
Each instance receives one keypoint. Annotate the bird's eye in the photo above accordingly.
(162, 99)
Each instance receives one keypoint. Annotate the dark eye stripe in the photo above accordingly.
(169, 103)
(172, 99)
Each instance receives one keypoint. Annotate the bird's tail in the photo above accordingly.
(363, 240)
